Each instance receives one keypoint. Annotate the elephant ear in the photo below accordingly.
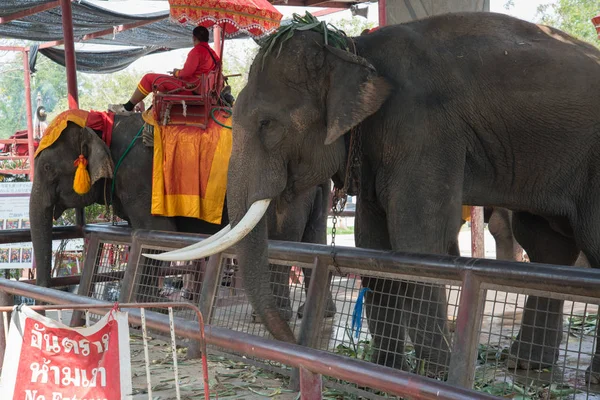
(355, 92)
(100, 164)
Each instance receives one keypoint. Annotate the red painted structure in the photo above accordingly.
(381, 7)
(70, 62)
(70, 58)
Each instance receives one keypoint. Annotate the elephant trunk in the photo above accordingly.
(40, 216)
(254, 267)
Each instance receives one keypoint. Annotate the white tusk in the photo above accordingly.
(252, 217)
(204, 242)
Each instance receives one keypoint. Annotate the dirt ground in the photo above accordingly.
(228, 379)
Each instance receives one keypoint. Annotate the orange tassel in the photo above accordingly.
(81, 183)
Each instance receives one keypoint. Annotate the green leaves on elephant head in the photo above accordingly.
(331, 35)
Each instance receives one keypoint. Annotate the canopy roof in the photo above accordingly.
(105, 22)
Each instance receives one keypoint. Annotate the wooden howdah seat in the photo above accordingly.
(174, 108)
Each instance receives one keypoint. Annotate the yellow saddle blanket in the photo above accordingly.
(189, 173)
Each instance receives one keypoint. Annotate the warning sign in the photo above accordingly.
(47, 360)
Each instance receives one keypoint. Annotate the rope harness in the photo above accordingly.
(114, 179)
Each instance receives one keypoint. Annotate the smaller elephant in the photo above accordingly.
(295, 218)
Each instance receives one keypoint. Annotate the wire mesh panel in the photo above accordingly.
(232, 308)
(375, 321)
(162, 281)
(159, 368)
(110, 266)
(535, 347)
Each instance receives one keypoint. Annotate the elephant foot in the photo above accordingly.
(329, 311)
(433, 366)
(592, 374)
(432, 370)
(392, 360)
(286, 313)
(527, 356)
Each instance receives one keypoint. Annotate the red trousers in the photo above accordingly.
(167, 83)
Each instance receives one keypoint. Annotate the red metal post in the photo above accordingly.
(217, 42)
(466, 334)
(311, 385)
(27, 77)
(29, 11)
(11, 48)
(477, 238)
(67, 21)
(104, 32)
(382, 9)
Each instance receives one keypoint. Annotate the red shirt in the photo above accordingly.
(198, 62)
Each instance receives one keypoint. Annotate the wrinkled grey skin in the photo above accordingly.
(499, 222)
(479, 109)
(303, 218)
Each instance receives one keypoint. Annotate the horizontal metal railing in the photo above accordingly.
(141, 307)
(474, 275)
(568, 280)
(545, 277)
(24, 235)
(310, 361)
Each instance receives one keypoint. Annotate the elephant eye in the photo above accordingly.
(264, 123)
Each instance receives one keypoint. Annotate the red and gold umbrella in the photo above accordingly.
(596, 22)
(255, 18)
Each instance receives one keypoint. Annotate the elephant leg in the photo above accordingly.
(537, 343)
(384, 312)
(500, 228)
(316, 232)
(330, 309)
(280, 287)
(392, 305)
(382, 303)
(426, 312)
(587, 236)
(592, 375)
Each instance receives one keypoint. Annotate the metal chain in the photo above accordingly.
(340, 196)
(338, 204)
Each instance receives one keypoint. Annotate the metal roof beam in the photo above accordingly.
(30, 11)
(329, 4)
(316, 3)
(104, 32)
(327, 11)
(12, 48)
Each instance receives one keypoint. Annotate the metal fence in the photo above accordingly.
(155, 366)
(310, 363)
(483, 312)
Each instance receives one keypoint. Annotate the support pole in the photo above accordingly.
(382, 9)
(70, 62)
(466, 334)
(477, 238)
(27, 77)
(217, 41)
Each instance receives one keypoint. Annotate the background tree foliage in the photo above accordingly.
(573, 17)
(239, 59)
(96, 91)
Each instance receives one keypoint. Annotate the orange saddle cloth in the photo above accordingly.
(189, 173)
